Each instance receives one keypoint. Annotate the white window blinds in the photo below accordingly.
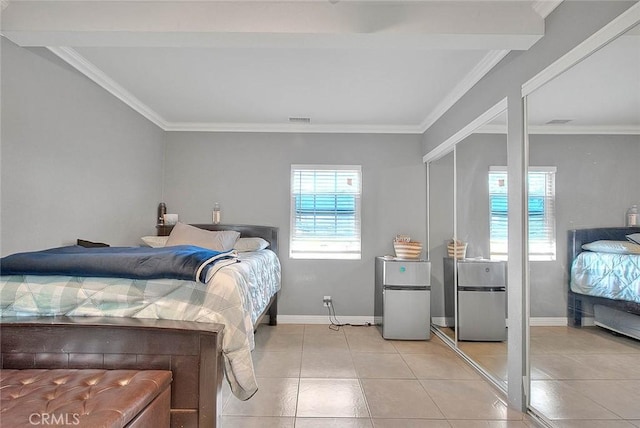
(325, 212)
(542, 213)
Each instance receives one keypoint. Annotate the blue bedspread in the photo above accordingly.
(183, 262)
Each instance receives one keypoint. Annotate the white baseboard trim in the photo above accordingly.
(322, 319)
(442, 321)
(548, 321)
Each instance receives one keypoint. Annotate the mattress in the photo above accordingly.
(607, 275)
(234, 297)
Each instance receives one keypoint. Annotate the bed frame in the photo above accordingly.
(191, 350)
(622, 317)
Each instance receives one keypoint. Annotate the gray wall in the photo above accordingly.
(76, 162)
(249, 174)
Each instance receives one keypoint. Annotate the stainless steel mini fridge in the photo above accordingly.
(402, 298)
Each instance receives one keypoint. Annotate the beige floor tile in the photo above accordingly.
(592, 424)
(483, 348)
(275, 397)
(272, 340)
(436, 366)
(635, 422)
(410, 423)
(393, 398)
(496, 365)
(432, 346)
(562, 367)
(315, 329)
(469, 399)
(611, 366)
(368, 342)
(276, 364)
(622, 397)
(328, 365)
(557, 400)
(332, 398)
(381, 366)
(487, 424)
(361, 331)
(256, 422)
(325, 343)
(333, 423)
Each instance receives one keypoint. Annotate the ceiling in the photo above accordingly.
(289, 66)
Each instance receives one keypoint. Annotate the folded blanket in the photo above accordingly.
(183, 262)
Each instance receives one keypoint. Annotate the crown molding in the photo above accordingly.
(565, 129)
(80, 63)
(478, 72)
(291, 128)
(73, 58)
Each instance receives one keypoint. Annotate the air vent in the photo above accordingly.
(300, 119)
(558, 121)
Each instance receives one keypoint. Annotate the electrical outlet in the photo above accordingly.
(326, 301)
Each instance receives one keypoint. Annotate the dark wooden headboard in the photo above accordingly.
(578, 237)
(268, 233)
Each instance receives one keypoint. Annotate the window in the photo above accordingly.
(542, 213)
(325, 212)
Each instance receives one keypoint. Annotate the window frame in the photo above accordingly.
(328, 246)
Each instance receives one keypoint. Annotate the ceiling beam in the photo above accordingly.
(511, 25)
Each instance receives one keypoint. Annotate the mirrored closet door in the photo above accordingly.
(468, 241)
(584, 151)
(481, 233)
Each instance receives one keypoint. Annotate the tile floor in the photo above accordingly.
(312, 376)
(580, 377)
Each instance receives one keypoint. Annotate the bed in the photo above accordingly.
(237, 297)
(604, 285)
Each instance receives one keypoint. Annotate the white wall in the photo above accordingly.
(76, 162)
(249, 174)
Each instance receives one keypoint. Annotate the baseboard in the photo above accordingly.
(442, 321)
(548, 321)
(323, 319)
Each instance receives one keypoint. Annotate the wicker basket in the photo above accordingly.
(457, 249)
(407, 250)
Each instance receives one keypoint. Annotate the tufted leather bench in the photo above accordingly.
(85, 398)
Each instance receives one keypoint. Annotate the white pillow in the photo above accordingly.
(634, 237)
(155, 241)
(250, 244)
(617, 247)
(183, 234)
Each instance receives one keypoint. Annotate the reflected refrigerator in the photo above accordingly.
(402, 298)
(482, 300)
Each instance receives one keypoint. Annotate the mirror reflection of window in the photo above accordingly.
(542, 213)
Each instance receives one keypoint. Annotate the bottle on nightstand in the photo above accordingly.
(216, 213)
